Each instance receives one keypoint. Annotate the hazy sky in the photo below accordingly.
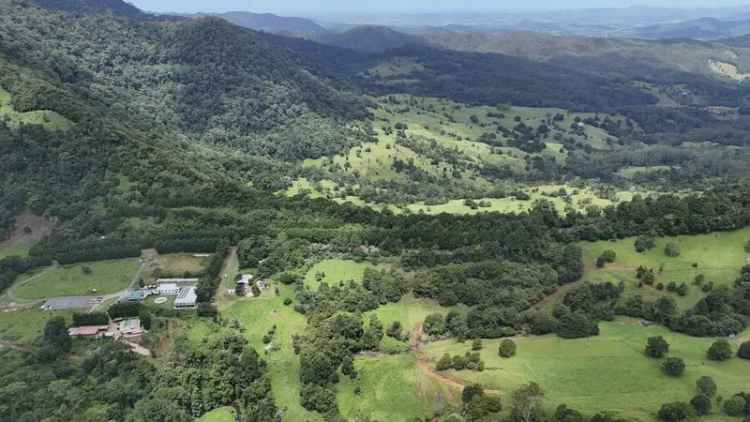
(320, 7)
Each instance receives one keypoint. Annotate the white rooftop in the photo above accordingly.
(186, 297)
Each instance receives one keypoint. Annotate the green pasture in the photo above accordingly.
(258, 316)
(106, 277)
(608, 372)
(335, 271)
(719, 256)
(23, 326)
(391, 388)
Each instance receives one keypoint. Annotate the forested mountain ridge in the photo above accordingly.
(275, 24)
(369, 39)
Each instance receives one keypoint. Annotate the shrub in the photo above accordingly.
(607, 257)
(674, 367)
(706, 386)
(701, 404)
(657, 347)
(644, 243)
(676, 412)
(434, 325)
(672, 250)
(445, 363)
(476, 344)
(720, 351)
(735, 406)
(744, 350)
(507, 348)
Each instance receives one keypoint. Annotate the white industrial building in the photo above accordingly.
(172, 286)
(186, 298)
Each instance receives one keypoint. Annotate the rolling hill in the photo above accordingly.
(369, 39)
(268, 22)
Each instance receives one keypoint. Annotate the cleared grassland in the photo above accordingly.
(179, 263)
(392, 388)
(49, 119)
(12, 248)
(258, 316)
(453, 127)
(106, 277)
(222, 414)
(577, 197)
(335, 271)
(25, 325)
(608, 372)
(719, 256)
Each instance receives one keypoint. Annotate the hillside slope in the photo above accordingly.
(369, 39)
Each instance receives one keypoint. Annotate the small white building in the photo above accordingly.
(186, 298)
(246, 280)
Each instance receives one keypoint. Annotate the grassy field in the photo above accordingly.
(409, 311)
(106, 277)
(719, 256)
(24, 326)
(335, 271)
(14, 249)
(392, 389)
(179, 263)
(222, 414)
(258, 316)
(49, 119)
(608, 372)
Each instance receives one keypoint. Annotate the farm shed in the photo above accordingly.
(186, 298)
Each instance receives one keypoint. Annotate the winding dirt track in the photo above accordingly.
(424, 364)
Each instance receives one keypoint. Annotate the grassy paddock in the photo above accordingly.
(392, 389)
(336, 271)
(179, 263)
(258, 316)
(106, 277)
(608, 372)
(719, 256)
(24, 326)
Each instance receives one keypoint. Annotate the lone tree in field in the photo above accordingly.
(672, 250)
(702, 404)
(644, 243)
(676, 412)
(476, 344)
(744, 351)
(720, 351)
(735, 406)
(706, 386)
(657, 347)
(674, 367)
(607, 257)
(507, 348)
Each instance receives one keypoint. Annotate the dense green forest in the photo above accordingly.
(134, 131)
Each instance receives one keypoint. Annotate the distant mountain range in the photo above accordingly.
(268, 22)
(369, 39)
